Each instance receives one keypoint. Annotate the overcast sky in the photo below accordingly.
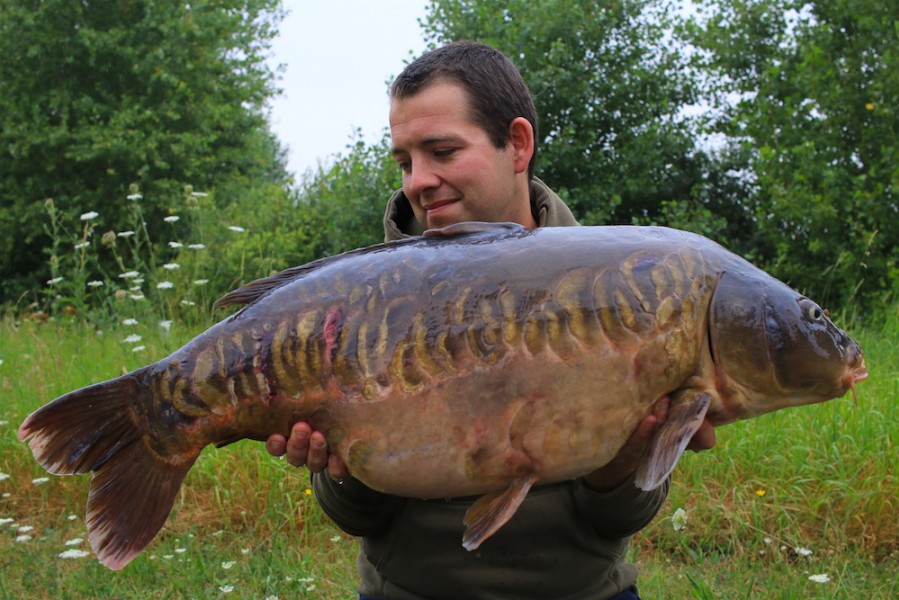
(339, 56)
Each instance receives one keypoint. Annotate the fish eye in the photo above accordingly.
(813, 311)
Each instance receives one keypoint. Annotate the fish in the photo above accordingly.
(475, 360)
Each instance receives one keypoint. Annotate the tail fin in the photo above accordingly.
(133, 486)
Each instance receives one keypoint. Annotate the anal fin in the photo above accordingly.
(685, 415)
(493, 510)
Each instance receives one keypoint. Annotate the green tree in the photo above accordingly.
(610, 87)
(808, 90)
(342, 205)
(98, 95)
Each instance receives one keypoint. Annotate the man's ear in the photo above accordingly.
(521, 138)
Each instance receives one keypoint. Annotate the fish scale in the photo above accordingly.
(480, 359)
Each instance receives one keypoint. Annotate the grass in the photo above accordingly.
(803, 492)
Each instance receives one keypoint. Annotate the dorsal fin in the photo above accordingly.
(255, 290)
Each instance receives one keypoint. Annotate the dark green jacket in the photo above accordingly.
(564, 542)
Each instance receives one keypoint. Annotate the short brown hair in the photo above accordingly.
(493, 83)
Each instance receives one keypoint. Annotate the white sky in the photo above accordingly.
(339, 56)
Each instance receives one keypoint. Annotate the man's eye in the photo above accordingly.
(405, 166)
(444, 152)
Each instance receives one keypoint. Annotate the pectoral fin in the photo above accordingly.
(684, 417)
(491, 511)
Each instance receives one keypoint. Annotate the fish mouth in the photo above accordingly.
(856, 372)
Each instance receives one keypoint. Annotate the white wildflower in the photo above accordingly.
(129, 322)
(40, 480)
(134, 197)
(129, 275)
(88, 216)
(125, 234)
(3, 476)
(3, 422)
(196, 246)
(245, 551)
(172, 219)
(180, 550)
(228, 564)
(201, 281)
(82, 245)
(236, 228)
(72, 517)
(132, 339)
(74, 553)
(188, 303)
(165, 285)
(802, 551)
(226, 589)
(54, 281)
(199, 194)
(175, 245)
(6, 520)
(335, 538)
(74, 542)
(25, 528)
(819, 578)
(23, 538)
(95, 283)
(165, 325)
(138, 348)
(679, 519)
(171, 266)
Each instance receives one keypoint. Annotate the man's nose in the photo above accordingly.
(422, 177)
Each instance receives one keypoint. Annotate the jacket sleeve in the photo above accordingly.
(355, 508)
(620, 512)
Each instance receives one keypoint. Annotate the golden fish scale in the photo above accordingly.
(403, 344)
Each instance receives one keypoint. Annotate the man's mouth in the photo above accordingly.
(438, 204)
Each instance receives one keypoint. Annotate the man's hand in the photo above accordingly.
(704, 438)
(309, 448)
(625, 463)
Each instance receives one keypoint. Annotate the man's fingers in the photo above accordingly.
(704, 438)
(317, 455)
(336, 468)
(276, 444)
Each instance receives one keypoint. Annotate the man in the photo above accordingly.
(464, 133)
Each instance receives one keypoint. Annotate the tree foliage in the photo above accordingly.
(96, 96)
(609, 88)
(808, 90)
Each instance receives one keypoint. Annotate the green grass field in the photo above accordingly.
(797, 504)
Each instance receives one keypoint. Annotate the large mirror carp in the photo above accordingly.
(477, 359)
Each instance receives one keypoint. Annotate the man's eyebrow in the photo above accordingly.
(428, 141)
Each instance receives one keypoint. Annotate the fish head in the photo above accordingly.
(774, 348)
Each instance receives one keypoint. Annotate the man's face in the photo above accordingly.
(451, 170)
